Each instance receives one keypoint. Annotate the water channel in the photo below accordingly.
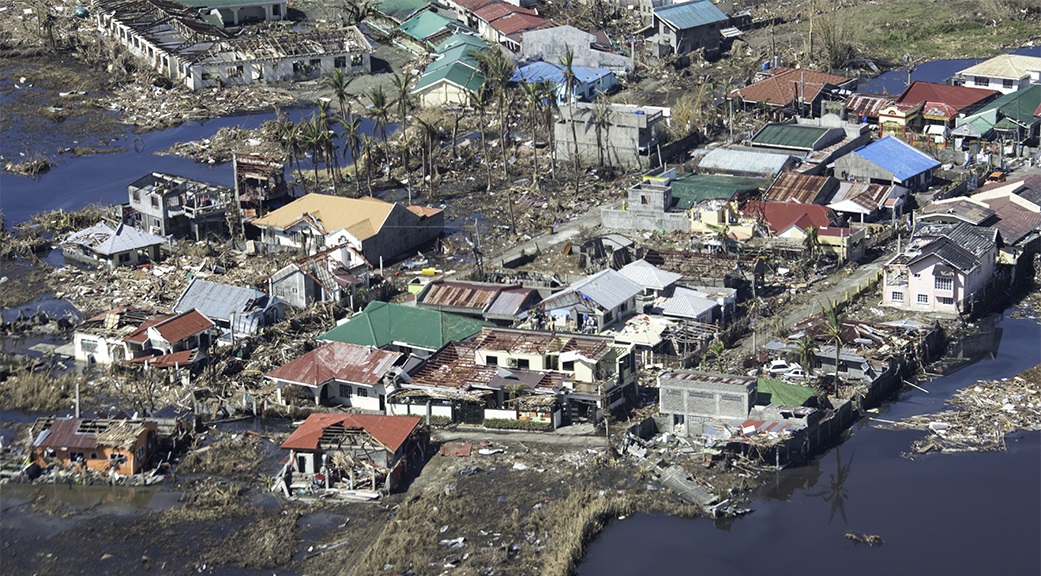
(967, 513)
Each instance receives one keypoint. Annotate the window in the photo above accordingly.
(898, 297)
(943, 283)
(568, 366)
(155, 201)
(917, 275)
(643, 200)
(124, 258)
(520, 363)
(137, 196)
(1006, 84)
(234, 72)
(945, 300)
(89, 346)
(93, 455)
(981, 81)
(276, 10)
(76, 457)
(340, 62)
(491, 360)
(345, 391)
(363, 393)
(923, 298)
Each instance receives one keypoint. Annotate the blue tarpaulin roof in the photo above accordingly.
(691, 14)
(898, 158)
(547, 72)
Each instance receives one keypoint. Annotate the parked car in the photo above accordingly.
(780, 367)
(796, 373)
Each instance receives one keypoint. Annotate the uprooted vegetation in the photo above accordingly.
(39, 390)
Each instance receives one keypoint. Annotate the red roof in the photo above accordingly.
(391, 431)
(780, 216)
(787, 84)
(473, 5)
(337, 361)
(175, 360)
(140, 334)
(943, 99)
(492, 12)
(517, 22)
(183, 326)
(794, 187)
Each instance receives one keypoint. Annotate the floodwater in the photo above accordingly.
(967, 513)
(103, 178)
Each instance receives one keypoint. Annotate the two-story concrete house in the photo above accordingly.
(170, 205)
(688, 26)
(692, 399)
(943, 268)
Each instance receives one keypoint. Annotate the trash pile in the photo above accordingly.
(149, 107)
(984, 414)
(227, 141)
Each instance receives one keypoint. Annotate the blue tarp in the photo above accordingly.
(902, 160)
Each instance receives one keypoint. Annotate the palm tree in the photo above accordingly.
(567, 60)
(811, 244)
(367, 147)
(498, 70)
(404, 143)
(478, 100)
(833, 325)
(338, 83)
(403, 99)
(532, 97)
(549, 106)
(289, 140)
(807, 348)
(351, 130)
(325, 121)
(314, 138)
(600, 111)
(431, 133)
(716, 348)
(379, 112)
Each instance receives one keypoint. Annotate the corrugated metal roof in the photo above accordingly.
(744, 162)
(460, 39)
(86, 433)
(956, 98)
(391, 431)
(459, 295)
(510, 303)
(183, 326)
(337, 361)
(898, 158)
(689, 190)
(533, 342)
(649, 276)
(607, 288)
(804, 188)
(363, 217)
(218, 301)
(384, 323)
(691, 14)
(1014, 66)
(105, 240)
(692, 377)
(425, 24)
(549, 72)
(866, 105)
(1014, 221)
(796, 136)
(960, 208)
(174, 360)
(686, 303)
(788, 85)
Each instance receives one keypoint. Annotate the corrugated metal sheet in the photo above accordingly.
(391, 431)
(509, 303)
(183, 326)
(744, 162)
(531, 342)
(460, 295)
(896, 157)
(649, 276)
(691, 14)
(337, 361)
(687, 304)
(792, 187)
(798, 136)
(866, 105)
(218, 301)
(694, 376)
(607, 288)
(103, 239)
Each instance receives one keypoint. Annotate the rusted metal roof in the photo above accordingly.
(694, 376)
(866, 105)
(391, 431)
(183, 326)
(174, 360)
(804, 188)
(453, 368)
(86, 433)
(337, 361)
(531, 342)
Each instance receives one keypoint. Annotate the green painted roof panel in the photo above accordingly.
(401, 10)
(1019, 105)
(784, 393)
(789, 136)
(383, 323)
(457, 73)
(425, 24)
(460, 39)
(692, 189)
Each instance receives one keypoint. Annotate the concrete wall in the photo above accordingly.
(644, 220)
(549, 45)
(444, 93)
(706, 398)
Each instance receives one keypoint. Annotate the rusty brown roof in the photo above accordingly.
(453, 368)
(788, 84)
(531, 342)
(866, 105)
(183, 326)
(475, 297)
(804, 188)
(86, 433)
(391, 431)
(337, 361)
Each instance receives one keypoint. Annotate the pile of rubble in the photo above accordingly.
(984, 414)
(220, 147)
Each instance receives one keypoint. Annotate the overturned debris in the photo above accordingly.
(869, 539)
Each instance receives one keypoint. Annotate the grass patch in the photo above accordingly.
(39, 391)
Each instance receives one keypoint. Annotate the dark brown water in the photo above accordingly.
(969, 513)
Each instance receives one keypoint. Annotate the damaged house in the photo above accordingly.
(139, 336)
(342, 374)
(403, 328)
(496, 303)
(332, 275)
(629, 134)
(260, 182)
(196, 50)
(170, 205)
(120, 246)
(100, 444)
(591, 304)
(234, 309)
(379, 230)
(355, 451)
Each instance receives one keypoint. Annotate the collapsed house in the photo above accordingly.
(138, 336)
(198, 52)
(497, 303)
(99, 444)
(236, 310)
(260, 182)
(332, 275)
(120, 246)
(628, 136)
(347, 452)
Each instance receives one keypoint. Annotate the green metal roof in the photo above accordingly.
(692, 189)
(426, 24)
(460, 39)
(463, 53)
(790, 136)
(784, 393)
(401, 10)
(383, 323)
(457, 73)
(1019, 105)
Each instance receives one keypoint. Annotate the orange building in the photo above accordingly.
(99, 444)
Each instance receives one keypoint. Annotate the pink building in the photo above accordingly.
(943, 267)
